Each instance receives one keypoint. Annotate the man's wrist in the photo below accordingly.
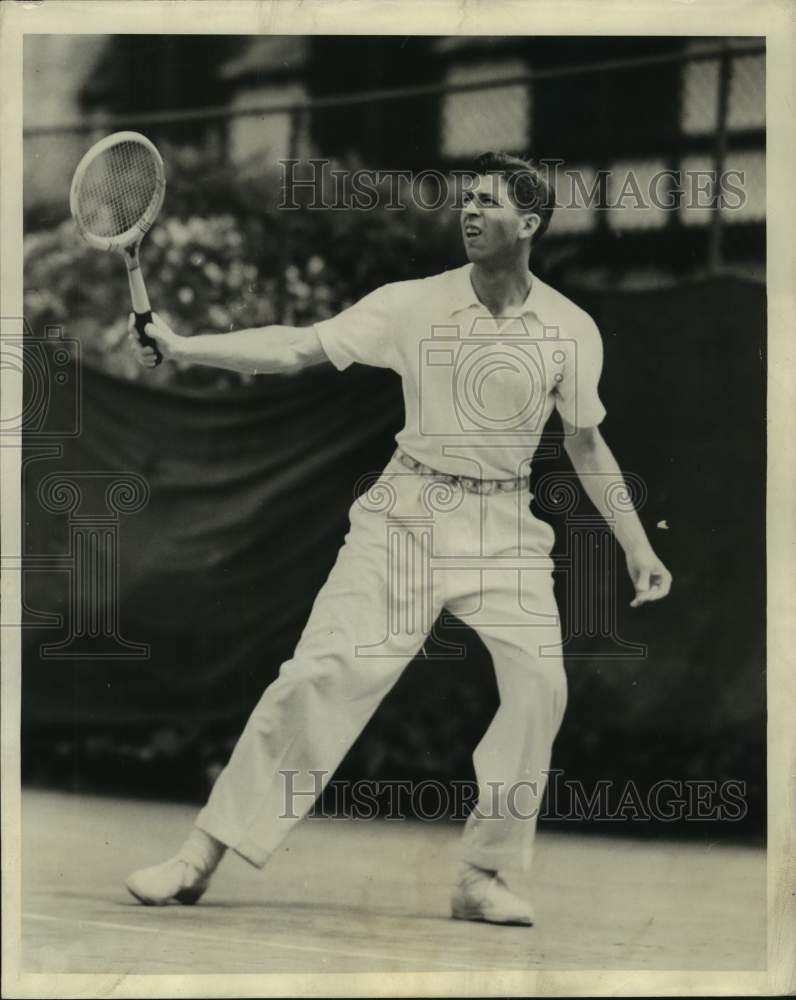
(181, 349)
(638, 548)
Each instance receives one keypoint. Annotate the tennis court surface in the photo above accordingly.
(345, 896)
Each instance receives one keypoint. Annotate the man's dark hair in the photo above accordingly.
(529, 187)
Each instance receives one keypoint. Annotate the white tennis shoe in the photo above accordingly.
(483, 895)
(173, 881)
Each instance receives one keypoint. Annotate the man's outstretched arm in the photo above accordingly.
(595, 464)
(270, 350)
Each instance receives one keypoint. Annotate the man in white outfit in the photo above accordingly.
(485, 353)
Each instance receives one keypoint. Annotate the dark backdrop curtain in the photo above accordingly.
(248, 507)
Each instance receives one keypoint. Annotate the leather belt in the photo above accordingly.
(483, 487)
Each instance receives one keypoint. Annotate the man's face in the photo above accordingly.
(492, 226)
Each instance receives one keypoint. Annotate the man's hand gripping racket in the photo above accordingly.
(116, 194)
(164, 339)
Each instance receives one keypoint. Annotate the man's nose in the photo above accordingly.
(471, 208)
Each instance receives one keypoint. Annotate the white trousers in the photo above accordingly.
(415, 546)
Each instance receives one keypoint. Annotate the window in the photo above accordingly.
(746, 101)
(498, 118)
(637, 192)
(577, 198)
(264, 136)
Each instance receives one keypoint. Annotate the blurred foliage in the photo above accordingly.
(218, 260)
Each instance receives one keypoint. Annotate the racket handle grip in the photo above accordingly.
(141, 320)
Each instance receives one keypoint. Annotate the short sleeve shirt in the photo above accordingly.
(478, 390)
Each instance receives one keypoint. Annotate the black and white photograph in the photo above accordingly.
(395, 590)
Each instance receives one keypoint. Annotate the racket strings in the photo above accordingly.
(117, 189)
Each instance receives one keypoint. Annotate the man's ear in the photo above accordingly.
(530, 223)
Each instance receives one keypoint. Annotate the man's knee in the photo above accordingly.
(534, 684)
(547, 683)
(339, 677)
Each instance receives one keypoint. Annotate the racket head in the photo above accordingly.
(117, 190)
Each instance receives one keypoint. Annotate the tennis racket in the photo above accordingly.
(116, 194)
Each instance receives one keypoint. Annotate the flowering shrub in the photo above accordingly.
(202, 277)
(215, 265)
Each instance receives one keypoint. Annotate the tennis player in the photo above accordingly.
(485, 352)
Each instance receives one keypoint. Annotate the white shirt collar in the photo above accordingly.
(463, 296)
